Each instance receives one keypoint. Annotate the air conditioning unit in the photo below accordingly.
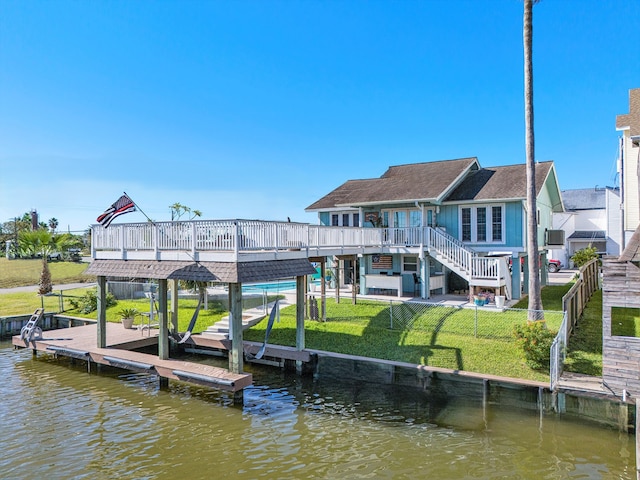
(554, 238)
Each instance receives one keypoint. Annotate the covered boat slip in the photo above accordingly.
(170, 272)
(80, 343)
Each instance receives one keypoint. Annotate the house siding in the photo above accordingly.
(544, 204)
(513, 235)
(630, 185)
(448, 219)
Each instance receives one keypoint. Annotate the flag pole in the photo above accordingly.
(139, 209)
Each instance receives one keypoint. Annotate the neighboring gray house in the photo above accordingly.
(591, 219)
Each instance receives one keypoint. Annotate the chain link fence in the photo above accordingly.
(479, 322)
(468, 320)
(217, 297)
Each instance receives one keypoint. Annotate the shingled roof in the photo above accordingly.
(227, 272)
(584, 199)
(499, 183)
(401, 183)
(631, 121)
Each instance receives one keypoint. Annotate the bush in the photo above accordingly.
(584, 256)
(535, 339)
(89, 302)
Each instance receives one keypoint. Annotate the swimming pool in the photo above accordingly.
(278, 286)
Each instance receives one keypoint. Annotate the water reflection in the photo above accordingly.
(60, 422)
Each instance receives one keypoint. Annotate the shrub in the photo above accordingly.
(535, 339)
(584, 256)
(129, 312)
(89, 302)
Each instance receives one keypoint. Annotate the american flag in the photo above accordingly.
(123, 205)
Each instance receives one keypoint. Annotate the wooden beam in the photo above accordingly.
(163, 321)
(236, 355)
(323, 291)
(102, 311)
(173, 285)
(300, 291)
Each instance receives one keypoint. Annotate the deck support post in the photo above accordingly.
(526, 273)
(173, 285)
(101, 295)
(300, 294)
(336, 265)
(425, 275)
(544, 274)
(323, 291)
(354, 283)
(516, 278)
(163, 320)
(236, 355)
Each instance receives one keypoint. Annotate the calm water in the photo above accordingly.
(60, 422)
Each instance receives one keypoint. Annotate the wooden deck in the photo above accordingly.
(80, 343)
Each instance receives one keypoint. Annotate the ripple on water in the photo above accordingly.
(60, 422)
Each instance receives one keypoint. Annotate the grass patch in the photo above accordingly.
(584, 353)
(20, 273)
(551, 297)
(447, 343)
(24, 303)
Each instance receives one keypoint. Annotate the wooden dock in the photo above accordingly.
(80, 343)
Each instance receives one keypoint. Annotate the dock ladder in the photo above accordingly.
(32, 329)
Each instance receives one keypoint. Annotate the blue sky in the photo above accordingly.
(255, 109)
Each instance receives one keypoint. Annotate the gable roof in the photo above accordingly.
(631, 121)
(584, 199)
(427, 181)
(500, 183)
(228, 272)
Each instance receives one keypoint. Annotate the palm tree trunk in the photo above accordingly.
(535, 298)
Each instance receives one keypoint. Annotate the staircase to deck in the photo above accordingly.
(477, 270)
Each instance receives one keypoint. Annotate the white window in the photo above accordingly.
(409, 263)
(482, 224)
(402, 218)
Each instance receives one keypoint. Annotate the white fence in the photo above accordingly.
(237, 237)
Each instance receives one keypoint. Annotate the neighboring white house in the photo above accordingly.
(591, 219)
(628, 163)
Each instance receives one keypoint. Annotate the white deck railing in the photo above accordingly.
(240, 237)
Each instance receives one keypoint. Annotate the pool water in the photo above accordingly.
(270, 287)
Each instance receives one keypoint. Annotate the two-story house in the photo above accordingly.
(629, 164)
(475, 219)
(591, 219)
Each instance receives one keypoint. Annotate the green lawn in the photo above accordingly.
(18, 273)
(26, 302)
(584, 354)
(460, 339)
(447, 342)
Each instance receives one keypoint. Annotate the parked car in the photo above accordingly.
(554, 266)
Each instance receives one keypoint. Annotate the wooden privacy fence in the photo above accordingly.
(578, 296)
